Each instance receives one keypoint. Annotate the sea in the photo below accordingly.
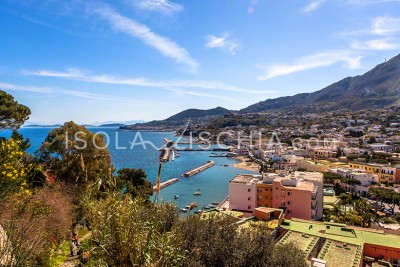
(213, 182)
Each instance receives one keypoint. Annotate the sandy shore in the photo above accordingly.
(242, 164)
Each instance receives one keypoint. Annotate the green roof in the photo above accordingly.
(343, 233)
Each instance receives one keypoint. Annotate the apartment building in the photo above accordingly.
(243, 192)
(300, 194)
(386, 174)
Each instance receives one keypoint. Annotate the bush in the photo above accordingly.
(34, 224)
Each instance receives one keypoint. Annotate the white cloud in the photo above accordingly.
(367, 2)
(75, 93)
(75, 74)
(318, 60)
(162, 6)
(164, 45)
(314, 5)
(378, 44)
(222, 42)
(385, 25)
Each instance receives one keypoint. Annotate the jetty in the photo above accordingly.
(199, 169)
(166, 183)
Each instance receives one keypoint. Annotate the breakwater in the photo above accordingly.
(166, 183)
(199, 169)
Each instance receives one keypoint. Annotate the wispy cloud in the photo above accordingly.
(377, 44)
(312, 6)
(75, 74)
(75, 93)
(367, 2)
(162, 6)
(126, 25)
(318, 60)
(222, 42)
(385, 25)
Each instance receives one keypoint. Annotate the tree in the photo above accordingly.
(345, 199)
(386, 195)
(134, 182)
(75, 154)
(12, 114)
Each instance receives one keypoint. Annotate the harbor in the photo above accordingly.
(209, 164)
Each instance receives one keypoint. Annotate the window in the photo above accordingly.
(282, 193)
(249, 198)
(249, 190)
(249, 207)
(289, 193)
(289, 212)
(289, 202)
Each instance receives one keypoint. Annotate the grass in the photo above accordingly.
(60, 255)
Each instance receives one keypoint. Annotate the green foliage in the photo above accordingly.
(134, 182)
(218, 241)
(12, 114)
(125, 232)
(75, 154)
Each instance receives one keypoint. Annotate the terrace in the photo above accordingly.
(340, 232)
(340, 254)
(304, 242)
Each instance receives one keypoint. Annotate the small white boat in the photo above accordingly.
(184, 210)
(176, 196)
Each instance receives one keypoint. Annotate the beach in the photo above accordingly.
(249, 166)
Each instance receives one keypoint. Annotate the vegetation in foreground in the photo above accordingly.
(127, 229)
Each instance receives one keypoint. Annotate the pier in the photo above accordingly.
(166, 183)
(199, 169)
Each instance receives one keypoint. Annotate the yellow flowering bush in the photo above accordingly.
(13, 170)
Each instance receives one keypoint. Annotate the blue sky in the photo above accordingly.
(93, 61)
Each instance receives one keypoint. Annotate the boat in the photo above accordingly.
(226, 165)
(197, 211)
(215, 203)
(187, 207)
(197, 193)
(177, 155)
(184, 210)
(176, 196)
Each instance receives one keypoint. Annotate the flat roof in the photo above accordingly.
(245, 179)
(340, 232)
(338, 255)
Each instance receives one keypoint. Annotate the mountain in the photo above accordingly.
(197, 116)
(377, 88)
(198, 113)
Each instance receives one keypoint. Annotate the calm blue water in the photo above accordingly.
(212, 182)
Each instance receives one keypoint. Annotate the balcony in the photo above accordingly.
(313, 214)
(314, 194)
(314, 206)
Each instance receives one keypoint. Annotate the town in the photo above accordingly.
(327, 182)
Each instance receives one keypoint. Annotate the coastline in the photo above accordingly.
(249, 166)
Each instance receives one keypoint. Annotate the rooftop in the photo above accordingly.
(340, 232)
(248, 179)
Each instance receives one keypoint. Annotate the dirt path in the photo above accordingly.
(73, 261)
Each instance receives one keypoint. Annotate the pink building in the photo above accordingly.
(299, 193)
(243, 192)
